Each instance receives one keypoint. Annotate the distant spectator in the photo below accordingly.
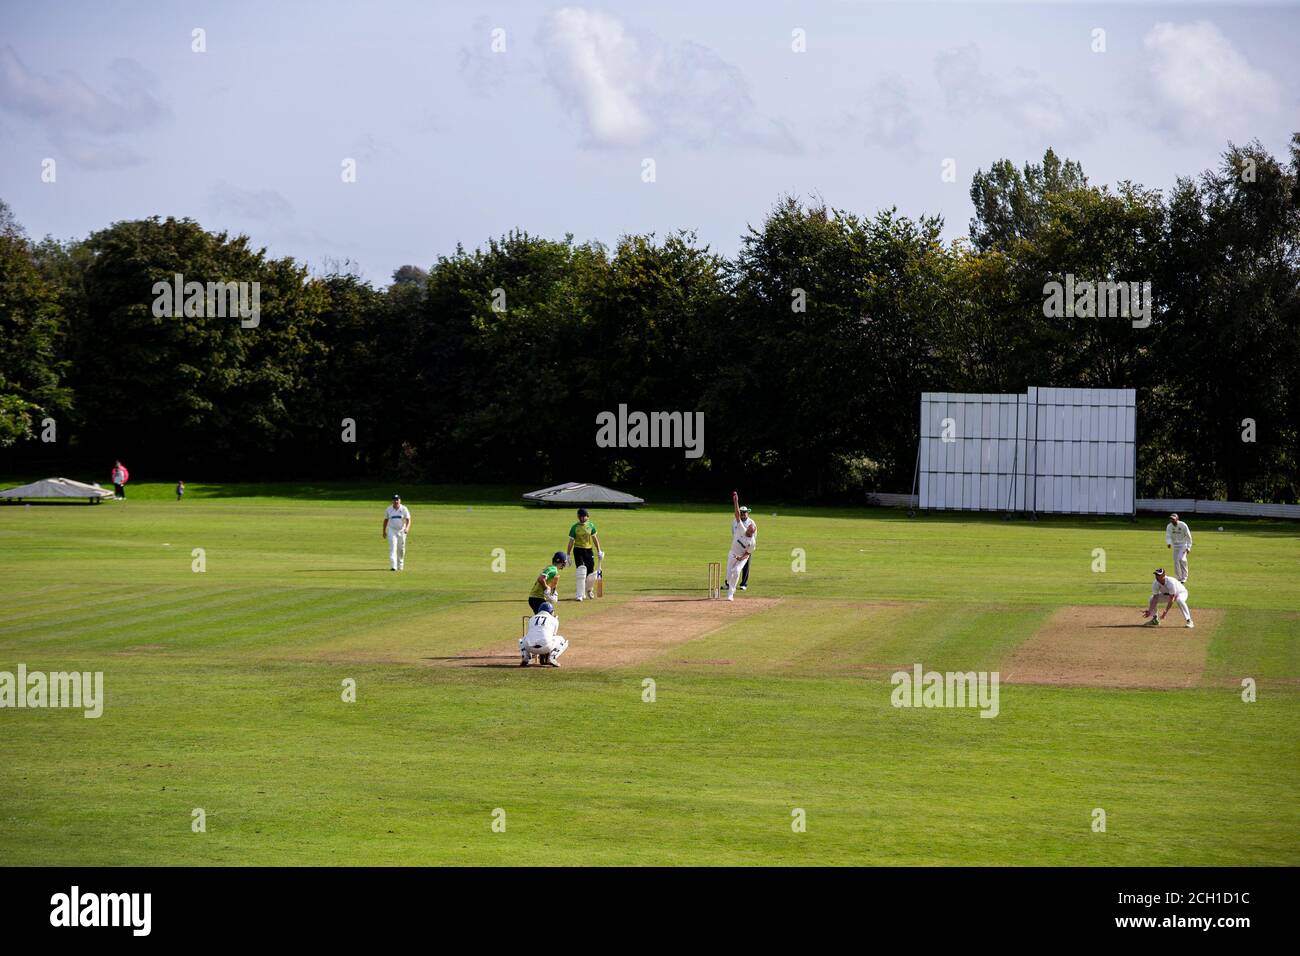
(120, 477)
(180, 490)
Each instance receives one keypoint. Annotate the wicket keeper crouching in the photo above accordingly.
(543, 639)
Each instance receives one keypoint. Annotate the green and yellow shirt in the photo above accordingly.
(550, 574)
(581, 535)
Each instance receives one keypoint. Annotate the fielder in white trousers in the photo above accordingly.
(397, 521)
(1179, 538)
(396, 549)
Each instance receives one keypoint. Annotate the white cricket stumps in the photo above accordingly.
(715, 580)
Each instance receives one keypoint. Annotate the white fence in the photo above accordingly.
(1051, 450)
(1241, 509)
(1182, 506)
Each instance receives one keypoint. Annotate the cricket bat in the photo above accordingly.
(600, 580)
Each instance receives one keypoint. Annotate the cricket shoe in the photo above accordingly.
(551, 661)
(525, 660)
(744, 587)
(1153, 622)
(1190, 624)
(731, 597)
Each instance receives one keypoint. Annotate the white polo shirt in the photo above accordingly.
(396, 517)
(1179, 535)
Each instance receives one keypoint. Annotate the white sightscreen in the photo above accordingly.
(1068, 450)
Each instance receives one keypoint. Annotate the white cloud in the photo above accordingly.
(65, 103)
(481, 67)
(1200, 83)
(85, 124)
(264, 205)
(632, 90)
(96, 153)
(886, 116)
(1025, 104)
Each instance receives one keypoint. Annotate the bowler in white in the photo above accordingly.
(744, 539)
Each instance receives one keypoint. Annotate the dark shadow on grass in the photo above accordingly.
(362, 491)
(334, 570)
(499, 601)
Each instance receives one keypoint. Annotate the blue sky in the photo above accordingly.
(454, 142)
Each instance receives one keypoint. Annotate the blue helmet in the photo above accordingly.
(546, 607)
(560, 558)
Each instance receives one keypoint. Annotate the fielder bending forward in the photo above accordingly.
(744, 539)
(1174, 590)
(543, 640)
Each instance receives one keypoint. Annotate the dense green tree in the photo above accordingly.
(1011, 204)
(806, 352)
(1230, 342)
(32, 369)
(185, 391)
(836, 316)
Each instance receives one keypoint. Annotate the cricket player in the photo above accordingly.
(543, 639)
(543, 591)
(119, 476)
(744, 539)
(1179, 537)
(1174, 590)
(582, 539)
(397, 521)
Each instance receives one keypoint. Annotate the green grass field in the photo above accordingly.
(224, 690)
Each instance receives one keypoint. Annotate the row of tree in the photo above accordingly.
(806, 352)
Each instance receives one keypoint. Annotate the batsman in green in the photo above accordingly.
(584, 545)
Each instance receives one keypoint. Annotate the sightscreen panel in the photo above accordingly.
(1054, 450)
